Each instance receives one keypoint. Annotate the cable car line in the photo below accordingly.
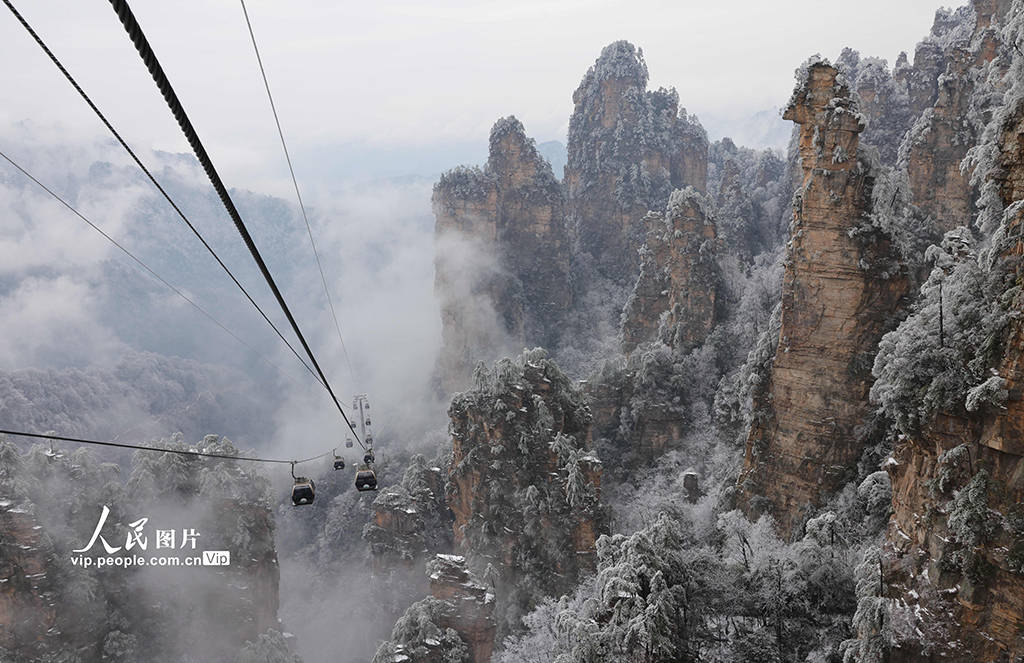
(303, 488)
(149, 58)
(152, 179)
(138, 38)
(181, 452)
(137, 260)
(298, 195)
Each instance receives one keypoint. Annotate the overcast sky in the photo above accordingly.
(396, 80)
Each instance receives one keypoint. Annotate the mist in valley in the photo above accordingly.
(94, 347)
(656, 373)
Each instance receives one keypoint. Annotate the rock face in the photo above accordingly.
(885, 98)
(502, 261)
(455, 624)
(628, 149)
(894, 100)
(674, 296)
(394, 532)
(410, 519)
(923, 117)
(751, 192)
(52, 608)
(636, 412)
(961, 44)
(671, 310)
(954, 551)
(523, 487)
(521, 503)
(804, 441)
(937, 144)
(472, 610)
(27, 610)
(508, 234)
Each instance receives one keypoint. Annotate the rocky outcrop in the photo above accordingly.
(924, 117)
(520, 498)
(954, 550)
(961, 46)
(471, 615)
(671, 311)
(523, 491)
(508, 233)
(54, 606)
(804, 439)
(28, 615)
(750, 193)
(502, 260)
(410, 519)
(892, 101)
(885, 98)
(628, 149)
(635, 412)
(394, 532)
(674, 295)
(948, 591)
(935, 148)
(523, 488)
(455, 624)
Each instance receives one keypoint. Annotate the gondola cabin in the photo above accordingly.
(339, 463)
(303, 491)
(366, 479)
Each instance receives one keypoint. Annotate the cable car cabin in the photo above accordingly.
(339, 463)
(303, 491)
(366, 479)
(348, 443)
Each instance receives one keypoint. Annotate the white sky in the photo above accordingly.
(398, 76)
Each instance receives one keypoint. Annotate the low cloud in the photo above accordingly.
(75, 300)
